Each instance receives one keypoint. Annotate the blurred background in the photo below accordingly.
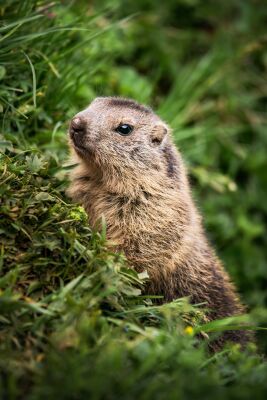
(200, 64)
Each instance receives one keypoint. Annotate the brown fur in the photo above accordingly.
(139, 184)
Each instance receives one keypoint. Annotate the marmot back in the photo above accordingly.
(130, 172)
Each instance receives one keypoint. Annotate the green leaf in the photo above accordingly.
(44, 196)
(2, 72)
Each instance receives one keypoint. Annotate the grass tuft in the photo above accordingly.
(74, 321)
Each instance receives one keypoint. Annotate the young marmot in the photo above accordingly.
(130, 172)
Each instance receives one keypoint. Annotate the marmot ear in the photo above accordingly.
(158, 133)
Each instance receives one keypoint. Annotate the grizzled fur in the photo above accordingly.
(139, 184)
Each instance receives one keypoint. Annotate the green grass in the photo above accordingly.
(73, 322)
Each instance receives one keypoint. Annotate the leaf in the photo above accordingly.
(2, 72)
(5, 145)
(71, 285)
(35, 163)
(33, 79)
(143, 275)
(44, 196)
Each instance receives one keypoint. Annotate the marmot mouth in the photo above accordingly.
(77, 140)
(82, 149)
(79, 148)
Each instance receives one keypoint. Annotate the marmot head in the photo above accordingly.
(120, 134)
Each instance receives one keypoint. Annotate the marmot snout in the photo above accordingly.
(131, 173)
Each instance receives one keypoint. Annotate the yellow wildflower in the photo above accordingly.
(189, 330)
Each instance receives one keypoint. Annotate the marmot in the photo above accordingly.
(130, 172)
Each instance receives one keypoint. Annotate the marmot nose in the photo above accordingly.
(77, 127)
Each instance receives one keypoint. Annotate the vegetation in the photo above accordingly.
(73, 323)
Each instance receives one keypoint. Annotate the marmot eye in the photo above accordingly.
(124, 129)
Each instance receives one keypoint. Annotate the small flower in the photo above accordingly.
(189, 330)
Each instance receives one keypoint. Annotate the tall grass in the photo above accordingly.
(73, 322)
